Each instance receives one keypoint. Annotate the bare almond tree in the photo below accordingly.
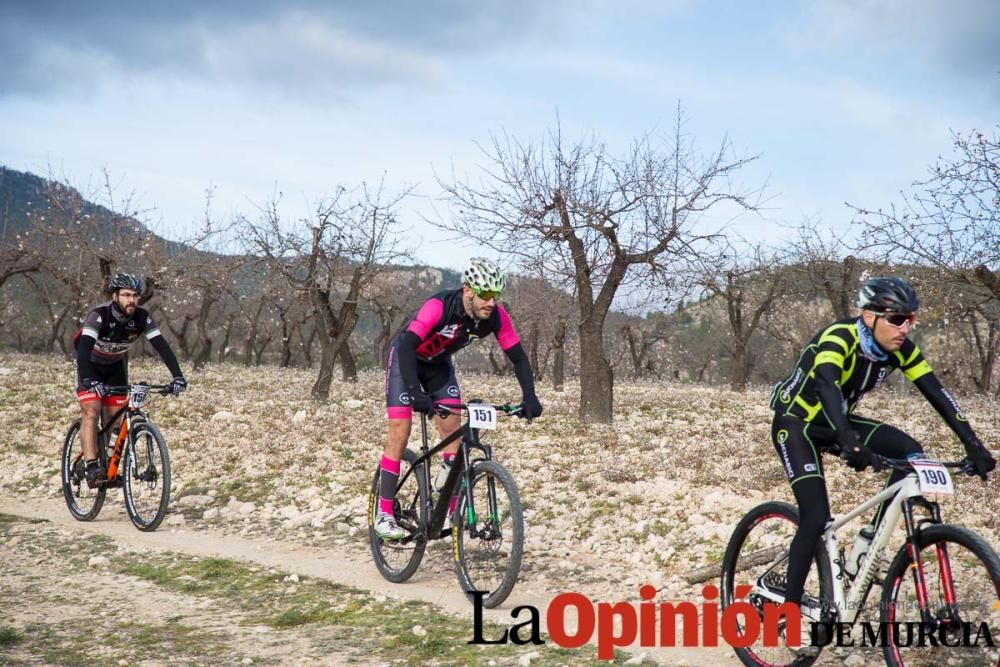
(594, 223)
(952, 223)
(749, 281)
(329, 260)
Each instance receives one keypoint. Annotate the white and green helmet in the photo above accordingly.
(482, 275)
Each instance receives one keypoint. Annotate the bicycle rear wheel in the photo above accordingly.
(954, 559)
(84, 503)
(757, 557)
(397, 560)
(488, 534)
(146, 477)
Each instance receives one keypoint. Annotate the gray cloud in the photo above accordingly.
(300, 47)
(958, 37)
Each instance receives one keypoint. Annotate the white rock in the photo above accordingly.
(527, 658)
(175, 520)
(854, 660)
(294, 578)
(247, 508)
(353, 403)
(223, 416)
(419, 631)
(210, 513)
(194, 501)
(98, 561)
(289, 511)
(299, 417)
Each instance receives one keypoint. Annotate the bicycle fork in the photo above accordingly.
(917, 563)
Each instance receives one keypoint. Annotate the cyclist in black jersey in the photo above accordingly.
(420, 374)
(815, 407)
(102, 345)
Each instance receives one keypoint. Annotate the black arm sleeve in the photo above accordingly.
(161, 345)
(84, 346)
(946, 406)
(832, 401)
(522, 369)
(407, 351)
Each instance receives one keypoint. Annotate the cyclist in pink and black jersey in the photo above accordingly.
(102, 346)
(420, 372)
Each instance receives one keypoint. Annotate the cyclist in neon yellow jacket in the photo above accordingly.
(815, 406)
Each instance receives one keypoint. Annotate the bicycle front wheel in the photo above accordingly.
(146, 477)
(84, 503)
(397, 560)
(488, 534)
(757, 558)
(961, 575)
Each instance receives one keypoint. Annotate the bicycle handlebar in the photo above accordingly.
(123, 390)
(510, 409)
(964, 465)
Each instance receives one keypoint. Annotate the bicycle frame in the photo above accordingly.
(461, 466)
(131, 411)
(904, 494)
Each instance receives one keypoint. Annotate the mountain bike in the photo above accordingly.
(138, 462)
(487, 530)
(943, 581)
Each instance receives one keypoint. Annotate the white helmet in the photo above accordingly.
(482, 275)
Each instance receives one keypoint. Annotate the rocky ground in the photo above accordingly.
(608, 509)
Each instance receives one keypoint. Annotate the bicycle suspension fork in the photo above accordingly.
(916, 560)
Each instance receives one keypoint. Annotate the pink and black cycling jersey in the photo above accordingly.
(115, 332)
(443, 327)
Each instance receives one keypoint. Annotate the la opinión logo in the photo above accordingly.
(614, 625)
(620, 624)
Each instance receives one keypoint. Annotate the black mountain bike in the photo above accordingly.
(487, 530)
(138, 462)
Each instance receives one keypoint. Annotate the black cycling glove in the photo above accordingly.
(857, 454)
(420, 401)
(982, 461)
(531, 407)
(178, 385)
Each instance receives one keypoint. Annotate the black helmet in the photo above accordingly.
(888, 295)
(126, 281)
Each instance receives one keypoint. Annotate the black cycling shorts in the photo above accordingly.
(437, 379)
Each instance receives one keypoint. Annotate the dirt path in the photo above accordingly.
(435, 585)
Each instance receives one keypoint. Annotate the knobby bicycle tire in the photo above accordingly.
(975, 575)
(491, 561)
(83, 502)
(758, 546)
(146, 477)
(397, 560)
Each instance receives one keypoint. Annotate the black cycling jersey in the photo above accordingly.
(113, 333)
(832, 375)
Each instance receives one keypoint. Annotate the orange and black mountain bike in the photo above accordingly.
(137, 462)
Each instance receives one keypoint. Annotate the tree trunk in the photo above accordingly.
(741, 368)
(348, 366)
(559, 355)
(321, 388)
(596, 377)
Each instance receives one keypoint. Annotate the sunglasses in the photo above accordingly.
(899, 319)
(486, 296)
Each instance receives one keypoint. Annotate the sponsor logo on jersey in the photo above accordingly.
(404, 398)
(782, 439)
(810, 467)
(449, 331)
(453, 390)
(786, 393)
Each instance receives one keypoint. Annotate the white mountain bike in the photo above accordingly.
(944, 581)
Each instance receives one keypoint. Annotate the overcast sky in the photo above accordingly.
(845, 101)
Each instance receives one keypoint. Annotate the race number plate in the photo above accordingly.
(482, 416)
(934, 477)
